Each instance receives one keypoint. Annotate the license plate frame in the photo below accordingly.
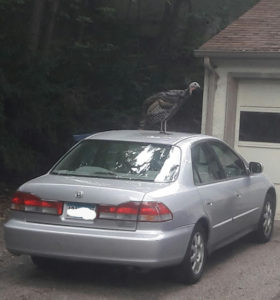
(80, 211)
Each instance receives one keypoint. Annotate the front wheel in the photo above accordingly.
(191, 268)
(265, 226)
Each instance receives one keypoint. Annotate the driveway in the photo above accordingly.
(243, 270)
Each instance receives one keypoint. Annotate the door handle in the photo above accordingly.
(210, 203)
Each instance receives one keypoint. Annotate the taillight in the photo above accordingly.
(31, 203)
(154, 212)
(133, 211)
(126, 211)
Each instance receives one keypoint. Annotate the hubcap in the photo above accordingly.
(267, 219)
(197, 253)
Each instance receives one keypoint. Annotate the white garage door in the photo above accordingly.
(258, 126)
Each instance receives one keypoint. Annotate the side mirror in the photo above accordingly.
(255, 167)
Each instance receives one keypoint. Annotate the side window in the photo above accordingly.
(205, 166)
(233, 166)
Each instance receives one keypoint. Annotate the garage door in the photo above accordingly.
(257, 135)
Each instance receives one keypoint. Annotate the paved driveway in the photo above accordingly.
(243, 270)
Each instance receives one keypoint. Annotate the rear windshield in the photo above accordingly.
(121, 160)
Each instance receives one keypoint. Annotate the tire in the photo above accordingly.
(265, 227)
(192, 266)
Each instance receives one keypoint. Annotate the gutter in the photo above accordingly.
(236, 54)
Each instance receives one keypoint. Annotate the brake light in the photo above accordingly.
(31, 203)
(133, 211)
(154, 212)
(126, 211)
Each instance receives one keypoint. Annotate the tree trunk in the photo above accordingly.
(50, 28)
(190, 6)
(128, 9)
(164, 23)
(175, 15)
(139, 10)
(35, 26)
(82, 26)
(169, 23)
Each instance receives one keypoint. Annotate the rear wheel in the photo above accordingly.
(191, 268)
(265, 227)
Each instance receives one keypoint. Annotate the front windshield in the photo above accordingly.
(121, 160)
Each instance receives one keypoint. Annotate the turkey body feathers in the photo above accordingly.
(162, 106)
(170, 97)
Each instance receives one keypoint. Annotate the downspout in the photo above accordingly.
(208, 66)
(211, 78)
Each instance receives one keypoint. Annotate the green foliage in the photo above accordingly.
(107, 12)
(101, 67)
(4, 4)
(84, 19)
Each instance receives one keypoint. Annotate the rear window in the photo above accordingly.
(121, 160)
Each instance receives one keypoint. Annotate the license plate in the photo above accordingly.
(81, 211)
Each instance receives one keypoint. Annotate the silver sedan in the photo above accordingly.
(144, 199)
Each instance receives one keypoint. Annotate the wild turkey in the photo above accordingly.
(162, 106)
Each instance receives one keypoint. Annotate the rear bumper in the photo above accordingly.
(138, 248)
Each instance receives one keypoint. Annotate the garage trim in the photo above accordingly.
(231, 100)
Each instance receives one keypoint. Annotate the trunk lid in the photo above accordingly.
(81, 192)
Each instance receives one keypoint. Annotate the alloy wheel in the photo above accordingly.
(197, 253)
(267, 219)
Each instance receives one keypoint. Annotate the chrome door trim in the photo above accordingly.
(222, 223)
(245, 213)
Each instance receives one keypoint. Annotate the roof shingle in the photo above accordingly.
(257, 31)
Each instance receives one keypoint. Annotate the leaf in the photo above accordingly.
(106, 11)
(84, 19)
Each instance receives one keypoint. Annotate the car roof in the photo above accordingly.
(146, 136)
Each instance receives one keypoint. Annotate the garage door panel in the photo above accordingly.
(259, 92)
(264, 156)
(257, 132)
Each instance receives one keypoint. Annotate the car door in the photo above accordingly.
(218, 200)
(245, 206)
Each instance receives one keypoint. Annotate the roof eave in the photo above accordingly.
(236, 54)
